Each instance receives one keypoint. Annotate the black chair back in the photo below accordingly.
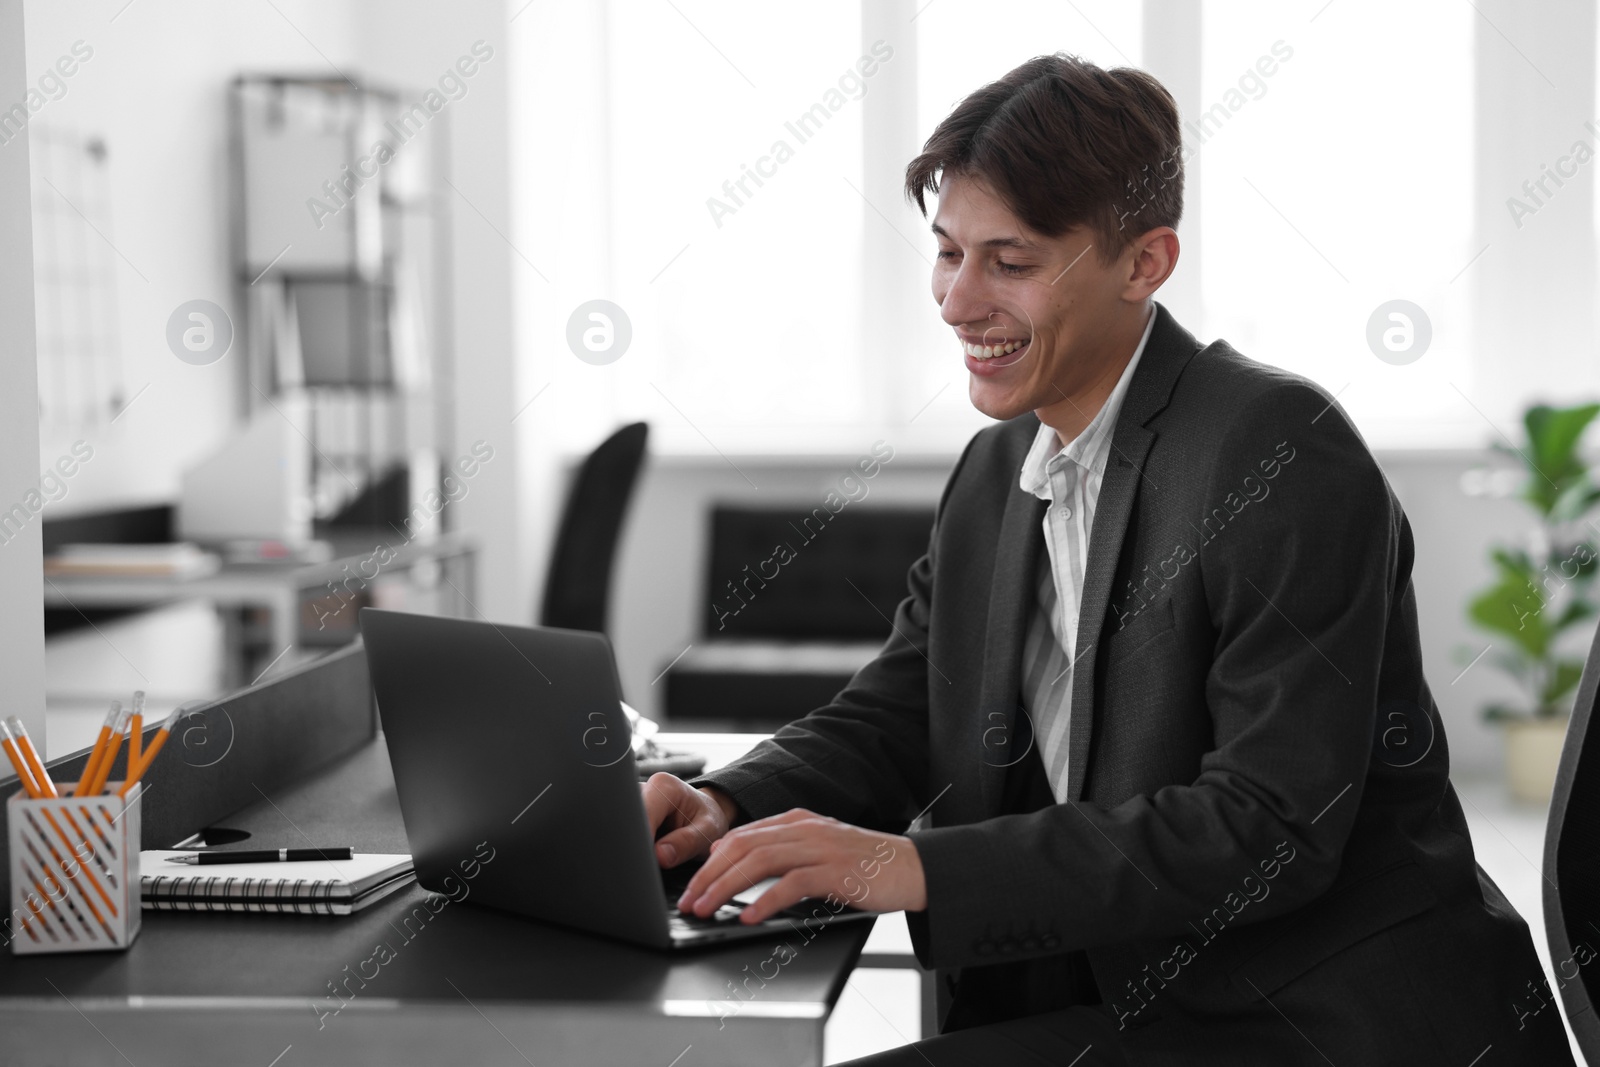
(578, 581)
(1572, 866)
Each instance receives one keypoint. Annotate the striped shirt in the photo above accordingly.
(1068, 480)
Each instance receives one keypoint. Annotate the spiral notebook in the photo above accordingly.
(317, 887)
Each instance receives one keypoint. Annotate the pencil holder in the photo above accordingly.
(74, 871)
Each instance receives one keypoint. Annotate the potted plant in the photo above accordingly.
(1543, 590)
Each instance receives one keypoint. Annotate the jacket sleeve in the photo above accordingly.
(1300, 596)
(862, 759)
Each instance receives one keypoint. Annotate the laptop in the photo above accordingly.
(510, 742)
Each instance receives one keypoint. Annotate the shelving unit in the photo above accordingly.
(336, 231)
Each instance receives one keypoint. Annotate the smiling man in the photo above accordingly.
(1155, 699)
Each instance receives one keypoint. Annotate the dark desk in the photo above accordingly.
(464, 985)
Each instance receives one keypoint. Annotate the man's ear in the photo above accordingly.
(1154, 255)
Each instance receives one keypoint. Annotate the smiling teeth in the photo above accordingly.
(991, 351)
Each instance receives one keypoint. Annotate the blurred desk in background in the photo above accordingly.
(272, 607)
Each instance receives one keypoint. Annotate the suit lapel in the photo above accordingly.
(1124, 471)
(1012, 598)
(1166, 353)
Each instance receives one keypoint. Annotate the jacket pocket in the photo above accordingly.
(1143, 628)
(1334, 922)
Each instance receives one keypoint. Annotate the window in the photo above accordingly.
(1339, 181)
(735, 137)
(1333, 163)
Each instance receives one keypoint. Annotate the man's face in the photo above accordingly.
(1002, 286)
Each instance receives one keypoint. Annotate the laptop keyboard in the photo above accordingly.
(723, 916)
(673, 885)
(681, 921)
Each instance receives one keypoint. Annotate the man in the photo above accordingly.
(1157, 686)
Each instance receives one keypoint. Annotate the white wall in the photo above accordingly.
(562, 233)
(1171, 51)
(155, 88)
(21, 585)
(1534, 284)
(411, 43)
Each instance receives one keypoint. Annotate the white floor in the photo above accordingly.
(881, 1009)
(878, 1009)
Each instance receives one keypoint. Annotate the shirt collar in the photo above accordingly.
(1089, 448)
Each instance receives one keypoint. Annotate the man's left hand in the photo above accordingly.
(812, 856)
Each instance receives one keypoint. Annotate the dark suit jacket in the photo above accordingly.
(1262, 859)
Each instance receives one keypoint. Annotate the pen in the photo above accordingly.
(41, 777)
(264, 855)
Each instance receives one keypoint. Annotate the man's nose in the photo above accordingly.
(963, 300)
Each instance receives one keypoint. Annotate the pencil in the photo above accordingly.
(136, 730)
(149, 755)
(99, 750)
(41, 777)
(109, 760)
(24, 775)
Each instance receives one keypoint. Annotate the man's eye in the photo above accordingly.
(1011, 268)
(944, 254)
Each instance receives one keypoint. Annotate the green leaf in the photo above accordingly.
(1576, 562)
(1552, 452)
(1563, 679)
(1576, 611)
(1554, 432)
(1575, 499)
(1564, 675)
(1513, 562)
(1514, 608)
(1533, 600)
(1502, 713)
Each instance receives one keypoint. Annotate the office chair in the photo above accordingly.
(578, 581)
(806, 632)
(1572, 866)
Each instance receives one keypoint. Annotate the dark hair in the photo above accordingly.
(1066, 143)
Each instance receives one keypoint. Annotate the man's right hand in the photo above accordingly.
(691, 818)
